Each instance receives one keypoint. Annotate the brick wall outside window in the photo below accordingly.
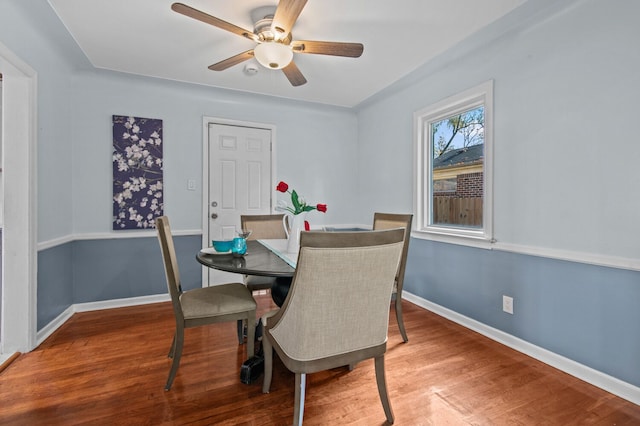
(468, 185)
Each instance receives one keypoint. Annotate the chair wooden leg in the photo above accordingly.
(240, 331)
(399, 318)
(267, 349)
(298, 404)
(173, 347)
(382, 388)
(178, 342)
(251, 334)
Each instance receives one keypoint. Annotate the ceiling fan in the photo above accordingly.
(275, 46)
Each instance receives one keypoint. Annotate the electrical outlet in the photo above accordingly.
(191, 185)
(507, 304)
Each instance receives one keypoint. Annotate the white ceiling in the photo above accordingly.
(146, 37)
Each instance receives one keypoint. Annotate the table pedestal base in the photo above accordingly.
(280, 289)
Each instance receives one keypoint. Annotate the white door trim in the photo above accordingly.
(19, 310)
(206, 120)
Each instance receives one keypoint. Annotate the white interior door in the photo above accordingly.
(239, 181)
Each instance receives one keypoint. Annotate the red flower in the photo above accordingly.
(298, 204)
(307, 227)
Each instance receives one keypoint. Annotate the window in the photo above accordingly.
(454, 167)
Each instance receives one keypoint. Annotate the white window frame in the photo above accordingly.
(423, 191)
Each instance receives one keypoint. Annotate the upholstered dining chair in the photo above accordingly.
(201, 306)
(388, 221)
(263, 227)
(337, 310)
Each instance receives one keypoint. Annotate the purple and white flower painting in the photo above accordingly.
(137, 172)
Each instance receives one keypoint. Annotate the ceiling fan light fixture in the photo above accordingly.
(273, 55)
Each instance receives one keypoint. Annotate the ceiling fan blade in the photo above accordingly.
(212, 20)
(234, 60)
(294, 75)
(333, 48)
(286, 15)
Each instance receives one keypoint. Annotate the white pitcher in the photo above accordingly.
(293, 225)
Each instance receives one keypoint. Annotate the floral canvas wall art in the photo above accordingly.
(137, 172)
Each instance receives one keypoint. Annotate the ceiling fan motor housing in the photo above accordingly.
(263, 30)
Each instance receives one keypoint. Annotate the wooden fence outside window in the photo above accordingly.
(457, 211)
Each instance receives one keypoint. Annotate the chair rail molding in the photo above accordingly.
(571, 256)
(110, 236)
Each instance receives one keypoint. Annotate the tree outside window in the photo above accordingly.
(458, 143)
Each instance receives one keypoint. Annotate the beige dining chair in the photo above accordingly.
(263, 227)
(201, 306)
(388, 221)
(337, 309)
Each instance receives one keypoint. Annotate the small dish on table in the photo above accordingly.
(222, 246)
(213, 251)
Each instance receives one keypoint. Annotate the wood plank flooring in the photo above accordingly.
(109, 368)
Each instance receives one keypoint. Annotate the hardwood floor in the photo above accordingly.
(109, 368)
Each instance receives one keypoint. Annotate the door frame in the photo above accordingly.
(206, 120)
(19, 129)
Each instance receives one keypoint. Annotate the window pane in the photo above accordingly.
(458, 169)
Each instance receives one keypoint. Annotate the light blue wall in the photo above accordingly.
(33, 32)
(566, 179)
(565, 159)
(315, 144)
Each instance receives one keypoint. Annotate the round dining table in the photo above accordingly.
(258, 260)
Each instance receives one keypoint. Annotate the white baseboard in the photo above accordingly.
(94, 306)
(121, 303)
(608, 383)
(5, 357)
(48, 329)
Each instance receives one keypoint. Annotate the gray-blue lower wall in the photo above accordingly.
(107, 269)
(586, 313)
(55, 282)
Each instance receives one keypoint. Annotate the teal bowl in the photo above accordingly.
(222, 246)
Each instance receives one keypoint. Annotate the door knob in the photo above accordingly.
(214, 215)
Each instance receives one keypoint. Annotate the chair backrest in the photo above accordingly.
(339, 298)
(170, 262)
(389, 221)
(264, 226)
